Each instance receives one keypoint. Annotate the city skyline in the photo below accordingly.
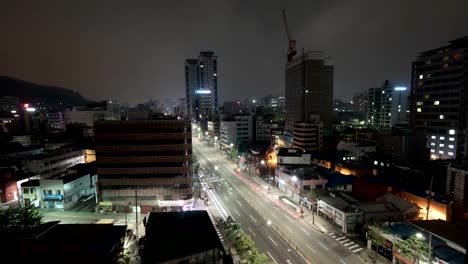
(143, 47)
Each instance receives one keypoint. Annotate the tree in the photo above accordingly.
(373, 233)
(19, 220)
(414, 248)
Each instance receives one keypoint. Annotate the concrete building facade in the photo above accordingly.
(149, 159)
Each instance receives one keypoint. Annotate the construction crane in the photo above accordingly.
(291, 42)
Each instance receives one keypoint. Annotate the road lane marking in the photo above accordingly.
(225, 198)
(309, 247)
(253, 218)
(343, 237)
(236, 212)
(347, 244)
(342, 261)
(344, 241)
(289, 229)
(290, 220)
(272, 257)
(274, 215)
(353, 246)
(239, 203)
(357, 250)
(252, 231)
(305, 231)
(272, 240)
(277, 209)
(322, 245)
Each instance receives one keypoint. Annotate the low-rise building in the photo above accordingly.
(61, 192)
(356, 150)
(297, 181)
(445, 242)
(51, 163)
(293, 156)
(457, 187)
(402, 147)
(185, 237)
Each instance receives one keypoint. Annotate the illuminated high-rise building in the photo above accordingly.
(201, 82)
(439, 99)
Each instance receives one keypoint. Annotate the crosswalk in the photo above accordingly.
(346, 242)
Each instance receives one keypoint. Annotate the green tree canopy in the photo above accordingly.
(19, 220)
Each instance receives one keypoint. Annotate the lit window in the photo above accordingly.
(441, 152)
(419, 103)
(452, 139)
(419, 110)
(201, 66)
(432, 150)
(452, 132)
(441, 145)
(428, 75)
(451, 146)
(383, 92)
(436, 102)
(450, 153)
(389, 114)
(441, 117)
(214, 74)
(433, 137)
(442, 138)
(432, 144)
(421, 76)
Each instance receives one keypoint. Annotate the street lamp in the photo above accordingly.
(419, 235)
(294, 178)
(216, 167)
(262, 162)
(231, 145)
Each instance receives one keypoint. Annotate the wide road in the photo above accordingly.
(315, 246)
(228, 202)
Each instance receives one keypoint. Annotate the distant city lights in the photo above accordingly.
(203, 92)
(30, 109)
(400, 88)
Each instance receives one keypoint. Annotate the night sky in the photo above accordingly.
(133, 51)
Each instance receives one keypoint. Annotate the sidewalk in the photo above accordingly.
(320, 224)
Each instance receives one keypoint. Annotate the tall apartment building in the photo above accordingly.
(201, 86)
(308, 135)
(387, 106)
(380, 106)
(439, 98)
(309, 89)
(359, 103)
(237, 130)
(191, 87)
(150, 159)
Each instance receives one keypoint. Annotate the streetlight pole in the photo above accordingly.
(429, 193)
(136, 212)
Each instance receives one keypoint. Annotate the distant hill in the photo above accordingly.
(49, 96)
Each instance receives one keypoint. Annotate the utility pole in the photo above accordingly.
(136, 212)
(429, 193)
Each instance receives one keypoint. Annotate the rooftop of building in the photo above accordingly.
(177, 234)
(48, 154)
(290, 152)
(336, 179)
(15, 147)
(78, 243)
(76, 172)
(303, 172)
(453, 44)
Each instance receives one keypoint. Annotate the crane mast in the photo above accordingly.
(291, 42)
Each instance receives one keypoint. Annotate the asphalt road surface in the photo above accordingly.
(255, 205)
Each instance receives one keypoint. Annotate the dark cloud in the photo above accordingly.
(134, 50)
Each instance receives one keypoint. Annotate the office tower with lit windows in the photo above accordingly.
(147, 163)
(201, 82)
(309, 89)
(439, 98)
